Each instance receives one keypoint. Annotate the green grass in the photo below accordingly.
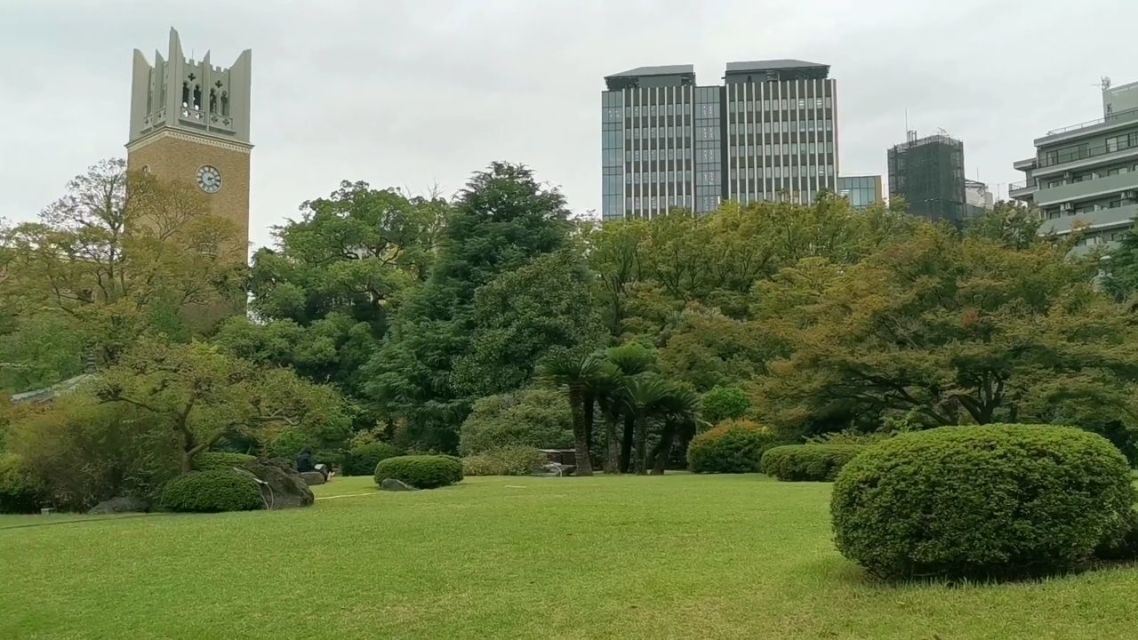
(675, 557)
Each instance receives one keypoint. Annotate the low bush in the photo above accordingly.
(807, 462)
(19, 492)
(286, 444)
(212, 460)
(982, 501)
(538, 418)
(724, 403)
(212, 492)
(507, 461)
(734, 446)
(82, 452)
(422, 472)
(361, 460)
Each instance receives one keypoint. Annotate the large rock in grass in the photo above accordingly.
(122, 504)
(283, 487)
(312, 478)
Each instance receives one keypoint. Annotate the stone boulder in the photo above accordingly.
(391, 484)
(312, 478)
(121, 504)
(283, 487)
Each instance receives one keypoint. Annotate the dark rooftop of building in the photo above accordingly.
(757, 65)
(775, 70)
(661, 76)
(664, 70)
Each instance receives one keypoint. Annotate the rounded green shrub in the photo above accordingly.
(361, 459)
(211, 492)
(734, 446)
(422, 472)
(506, 461)
(19, 493)
(226, 460)
(982, 501)
(807, 462)
(538, 418)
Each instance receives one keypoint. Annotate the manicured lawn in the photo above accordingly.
(675, 557)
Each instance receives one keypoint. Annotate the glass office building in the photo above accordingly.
(768, 133)
(861, 191)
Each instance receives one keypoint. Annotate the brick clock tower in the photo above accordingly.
(189, 120)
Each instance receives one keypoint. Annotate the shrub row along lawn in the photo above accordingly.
(630, 557)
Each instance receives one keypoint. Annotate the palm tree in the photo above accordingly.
(646, 394)
(630, 359)
(679, 408)
(579, 375)
(611, 395)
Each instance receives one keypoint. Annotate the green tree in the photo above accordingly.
(202, 395)
(123, 255)
(944, 329)
(628, 360)
(521, 316)
(581, 376)
(500, 221)
(324, 296)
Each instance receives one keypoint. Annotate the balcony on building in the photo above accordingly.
(1024, 190)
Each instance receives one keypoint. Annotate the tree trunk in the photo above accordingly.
(577, 406)
(663, 450)
(590, 402)
(641, 446)
(626, 444)
(612, 442)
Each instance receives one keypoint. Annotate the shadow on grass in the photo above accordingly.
(850, 573)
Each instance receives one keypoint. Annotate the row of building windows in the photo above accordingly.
(781, 104)
(781, 149)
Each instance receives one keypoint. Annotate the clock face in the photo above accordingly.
(209, 179)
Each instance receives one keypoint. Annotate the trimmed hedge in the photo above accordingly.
(983, 501)
(506, 461)
(361, 459)
(224, 460)
(734, 446)
(211, 492)
(422, 472)
(808, 462)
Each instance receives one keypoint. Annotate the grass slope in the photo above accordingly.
(674, 557)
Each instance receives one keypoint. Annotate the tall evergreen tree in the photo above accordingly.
(501, 220)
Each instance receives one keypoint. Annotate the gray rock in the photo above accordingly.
(312, 478)
(391, 484)
(121, 504)
(281, 485)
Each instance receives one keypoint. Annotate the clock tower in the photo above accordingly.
(189, 120)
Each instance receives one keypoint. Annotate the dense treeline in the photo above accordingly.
(378, 316)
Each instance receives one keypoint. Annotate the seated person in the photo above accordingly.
(304, 461)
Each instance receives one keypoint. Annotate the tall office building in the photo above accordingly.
(929, 174)
(768, 133)
(1085, 176)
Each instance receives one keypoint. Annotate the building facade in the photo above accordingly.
(1085, 176)
(862, 191)
(768, 133)
(929, 174)
(189, 120)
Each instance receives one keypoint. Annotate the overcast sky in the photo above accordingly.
(423, 92)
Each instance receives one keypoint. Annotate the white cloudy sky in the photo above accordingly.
(422, 92)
